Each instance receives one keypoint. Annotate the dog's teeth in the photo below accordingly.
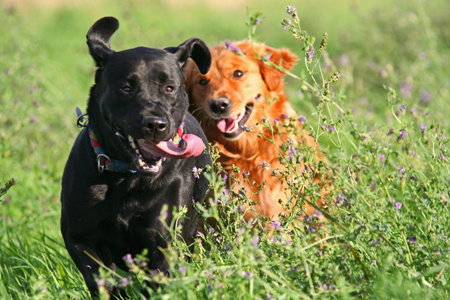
(140, 156)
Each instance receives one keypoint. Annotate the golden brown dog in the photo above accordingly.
(235, 94)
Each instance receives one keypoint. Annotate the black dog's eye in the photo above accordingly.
(238, 74)
(169, 89)
(203, 82)
(126, 89)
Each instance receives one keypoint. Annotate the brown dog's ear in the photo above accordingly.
(196, 49)
(98, 38)
(271, 76)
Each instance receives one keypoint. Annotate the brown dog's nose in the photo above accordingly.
(155, 124)
(219, 105)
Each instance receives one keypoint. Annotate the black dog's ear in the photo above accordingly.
(197, 50)
(98, 38)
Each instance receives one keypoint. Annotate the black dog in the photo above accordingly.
(127, 165)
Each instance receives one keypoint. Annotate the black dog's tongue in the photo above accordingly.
(194, 147)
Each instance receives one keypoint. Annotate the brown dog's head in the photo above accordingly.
(233, 93)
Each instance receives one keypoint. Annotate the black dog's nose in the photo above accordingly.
(219, 105)
(155, 124)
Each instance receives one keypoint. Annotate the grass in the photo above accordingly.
(389, 234)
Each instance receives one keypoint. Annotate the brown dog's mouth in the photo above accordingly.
(234, 126)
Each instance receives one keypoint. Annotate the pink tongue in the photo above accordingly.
(226, 124)
(194, 147)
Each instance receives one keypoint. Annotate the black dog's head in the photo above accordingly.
(141, 94)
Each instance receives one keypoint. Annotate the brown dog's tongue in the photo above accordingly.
(194, 147)
(226, 125)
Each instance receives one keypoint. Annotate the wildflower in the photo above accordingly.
(330, 128)
(390, 131)
(257, 97)
(401, 170)
(33, 120)
(182, 270)
(245, 175)
(344, 60)
(124, 282)
(269, 296)
(276, 224)
(383, 72)
(442, 157)
(425, 96)
(374, 262)
(344, 256)
(412, 240)
(310, 229)
(341, 199)
(128, 259)
(264, 165)
(382, 157)
(373, 242)
(16, 101)
(402, 108)
(422, 129)
(301, 119)
(274, 173)
(254, 241)
(276, 120)
(31, 91)
(196, 172)
(246, 273)
(402, 135)
(398, 205)
(211, 230)
(438, 252)
(36, 103)
(230, 46)
(406, 89)
(290, 9)
(219, 285)
(310, 54)
(285, 116)
(6, 200)
(224, 177)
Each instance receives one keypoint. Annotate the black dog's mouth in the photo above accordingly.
(232, 127)
(144, 160)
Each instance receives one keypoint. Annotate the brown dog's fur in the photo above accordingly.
(261, 82)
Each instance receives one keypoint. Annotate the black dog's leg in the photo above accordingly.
(88, 261)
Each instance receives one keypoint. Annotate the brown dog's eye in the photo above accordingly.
(238, 74)
(203, 81)
(169, 89)
(126, 89)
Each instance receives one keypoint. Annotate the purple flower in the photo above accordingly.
(402, 135)
(290, 9)
(398, 205)
(382, 157)
(182, 270)
(36, 103)
(383, 72)
(128, 259)
(245, 175)
(390, 131)
(285, 116)
(264, 165)
(373, 243)
(276, 120)
(196, 172)
(310, 229)
(257, 97)
(33, 120)
(246, 273)
(401, 170)
(310, 54)
(16, 101)
(31, 91)
(442, 157)
(412, 240)
(124, 282)
(402, 108)
(230, 46)
(341, 199)
(422, 129)
(374, 262)
(274, 173)
(405, 89)
(254, 241)
(257, 22)
(6, 200)
(425, 96)
(330, 128)
(301, 119)
(276, 224)
(269, 296)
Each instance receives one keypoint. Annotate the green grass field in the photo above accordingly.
(383, 127)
